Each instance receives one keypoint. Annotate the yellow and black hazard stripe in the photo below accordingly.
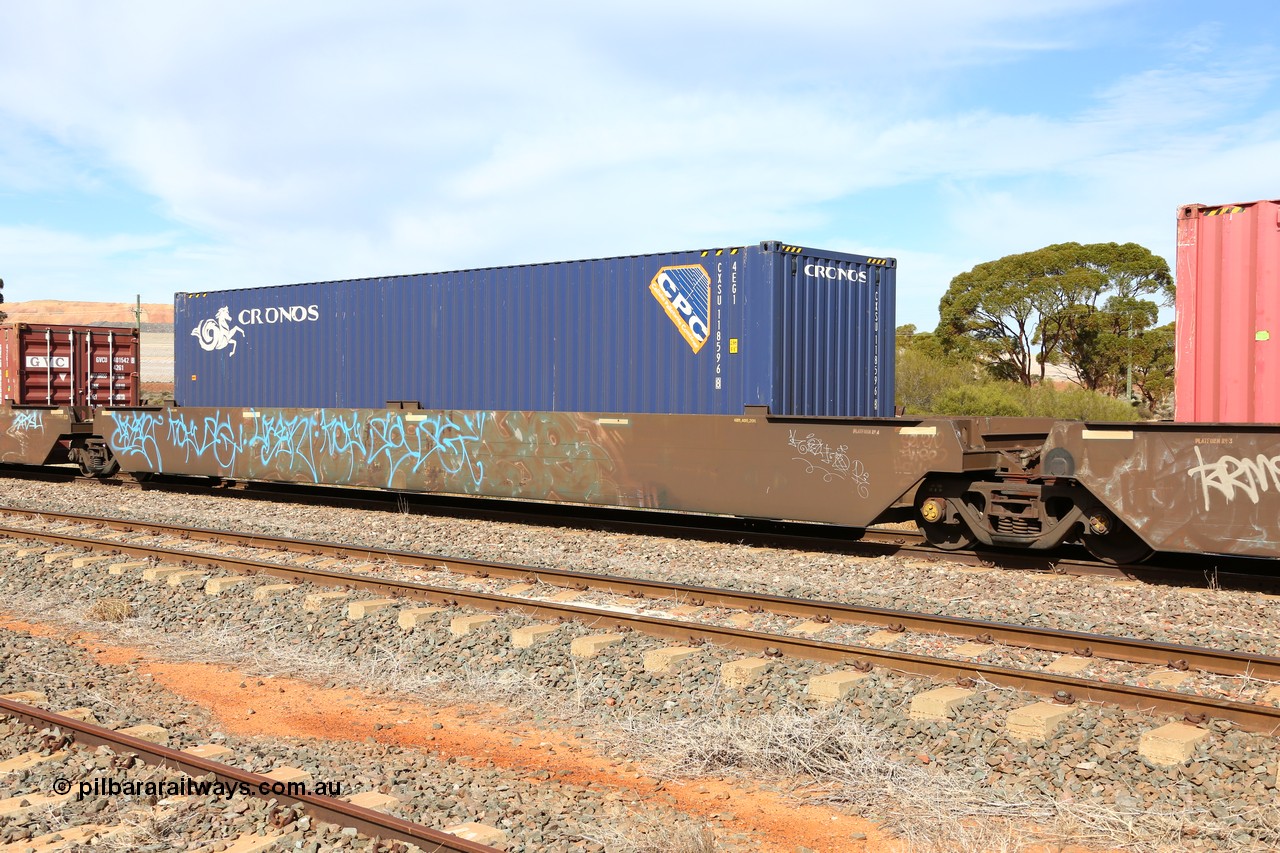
(1221, 211)
(794, 250)
(720, 252)
(878, 262)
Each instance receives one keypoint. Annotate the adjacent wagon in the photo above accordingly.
(61, 365)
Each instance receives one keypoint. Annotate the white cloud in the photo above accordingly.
(40, 263)
(405, 136)
(24, 244)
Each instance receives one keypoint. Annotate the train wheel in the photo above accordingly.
(95, 460)
(942, 534)
(99, 468)
(949, 537)
(1113, 541)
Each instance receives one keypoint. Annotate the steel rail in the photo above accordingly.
(870, 541)
(327, 809)
(1248, 716)
(1174, 655)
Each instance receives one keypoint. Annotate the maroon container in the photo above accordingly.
(1228, 311)
(47, 365)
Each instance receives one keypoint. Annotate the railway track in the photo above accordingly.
(693, 615)
(76, 731)
(900, 540)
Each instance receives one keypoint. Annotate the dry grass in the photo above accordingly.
(110, 610)
(143, 826)
(162, 827)
(826, 757)
(839, 760)
(653, 832)
(835, 759)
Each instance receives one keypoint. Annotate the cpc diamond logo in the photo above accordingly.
(684, 292)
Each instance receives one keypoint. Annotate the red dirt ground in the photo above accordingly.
(284, 707)
(281, 707)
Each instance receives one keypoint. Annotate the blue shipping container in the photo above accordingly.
(802, 331)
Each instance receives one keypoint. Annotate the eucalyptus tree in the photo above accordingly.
(1067, 303)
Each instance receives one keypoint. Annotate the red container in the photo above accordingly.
(46, 365)
(1228, 311)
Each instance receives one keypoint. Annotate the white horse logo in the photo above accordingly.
(218, 333)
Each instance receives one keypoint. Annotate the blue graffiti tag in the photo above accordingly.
(340, 438)
(198, 436)
(27, 421)
(317, 445)
(450, 441)
(285, 440)
(134, 435)
(446, 440)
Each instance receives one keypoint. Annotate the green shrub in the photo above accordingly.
(921, 377)
(930, 385)
(1075, 404)
(992, 399)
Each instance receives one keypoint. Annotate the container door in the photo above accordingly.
(97, 347)
(1228, 313)
(89, 378)
(834, 336)
(69, 361)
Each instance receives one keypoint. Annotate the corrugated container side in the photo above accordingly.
(1228, 313)
(835, 347)
(62, 365)
(684, 332)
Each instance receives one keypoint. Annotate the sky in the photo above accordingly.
(155, 147)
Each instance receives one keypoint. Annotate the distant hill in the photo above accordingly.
(85, 313)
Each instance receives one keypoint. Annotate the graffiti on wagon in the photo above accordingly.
(818, 456)
(467, 452)
(1230, 476)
